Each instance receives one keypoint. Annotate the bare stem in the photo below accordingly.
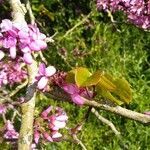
(105, 121)
(145, 119)
(18, 88)
(79, 142)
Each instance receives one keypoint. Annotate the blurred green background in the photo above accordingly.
(86, 37)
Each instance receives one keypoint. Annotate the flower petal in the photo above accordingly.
(42, 83)
(59, 124)
(42, 68)
(70, 88)
(36, 136)
(62, 118)
(6, 25)
(77, 99)
(2, 54)
(27, 58)
(12, 52)
(56, 135)
(49, 71)
(47, 137)
(45, 113)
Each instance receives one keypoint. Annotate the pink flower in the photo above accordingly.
(43, 75)
(47, 137)
(2, 54)
(74, 92)
(11, 72)
(36, 136)
(2, 109)
(22, 37)
(10, 131)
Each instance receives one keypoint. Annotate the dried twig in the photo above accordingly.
(76, 25)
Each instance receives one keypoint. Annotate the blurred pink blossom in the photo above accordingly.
(10, 132)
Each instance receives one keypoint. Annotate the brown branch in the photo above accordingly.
(142, 118)
(26, 131)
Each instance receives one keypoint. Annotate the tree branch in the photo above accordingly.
(59, 94)
(26, 131)
(142, 118)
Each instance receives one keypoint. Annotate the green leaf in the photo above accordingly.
(81, 75)
(106, 94)
(106, 84)
(123, 90)
(93, 79)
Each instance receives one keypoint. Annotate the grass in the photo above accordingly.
(124, 53)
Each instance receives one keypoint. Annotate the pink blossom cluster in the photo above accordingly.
(47, 127)
(77, 94)
(10, 132)
(138, 11)
(20, 40)
(11, 72)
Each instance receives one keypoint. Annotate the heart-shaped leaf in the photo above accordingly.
(93, 79)
(106, 84)
(123, 90)
(81, 75)
(106, 94)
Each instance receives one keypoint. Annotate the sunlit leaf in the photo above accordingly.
(123, 90)
(93, 79)
(81, 75)
(106, 84)
(106, 94)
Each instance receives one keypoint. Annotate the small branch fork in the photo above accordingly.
(105, 121)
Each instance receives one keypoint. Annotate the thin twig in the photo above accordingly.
(4, 118)
(76, 25)
(104, 120)
(79, 142)
(18, 88)
(28, 6)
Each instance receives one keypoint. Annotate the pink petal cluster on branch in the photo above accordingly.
(47, 127)
(10, 132)
(11, 72)
(21, 40)
(77, 94)
(138, 11)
